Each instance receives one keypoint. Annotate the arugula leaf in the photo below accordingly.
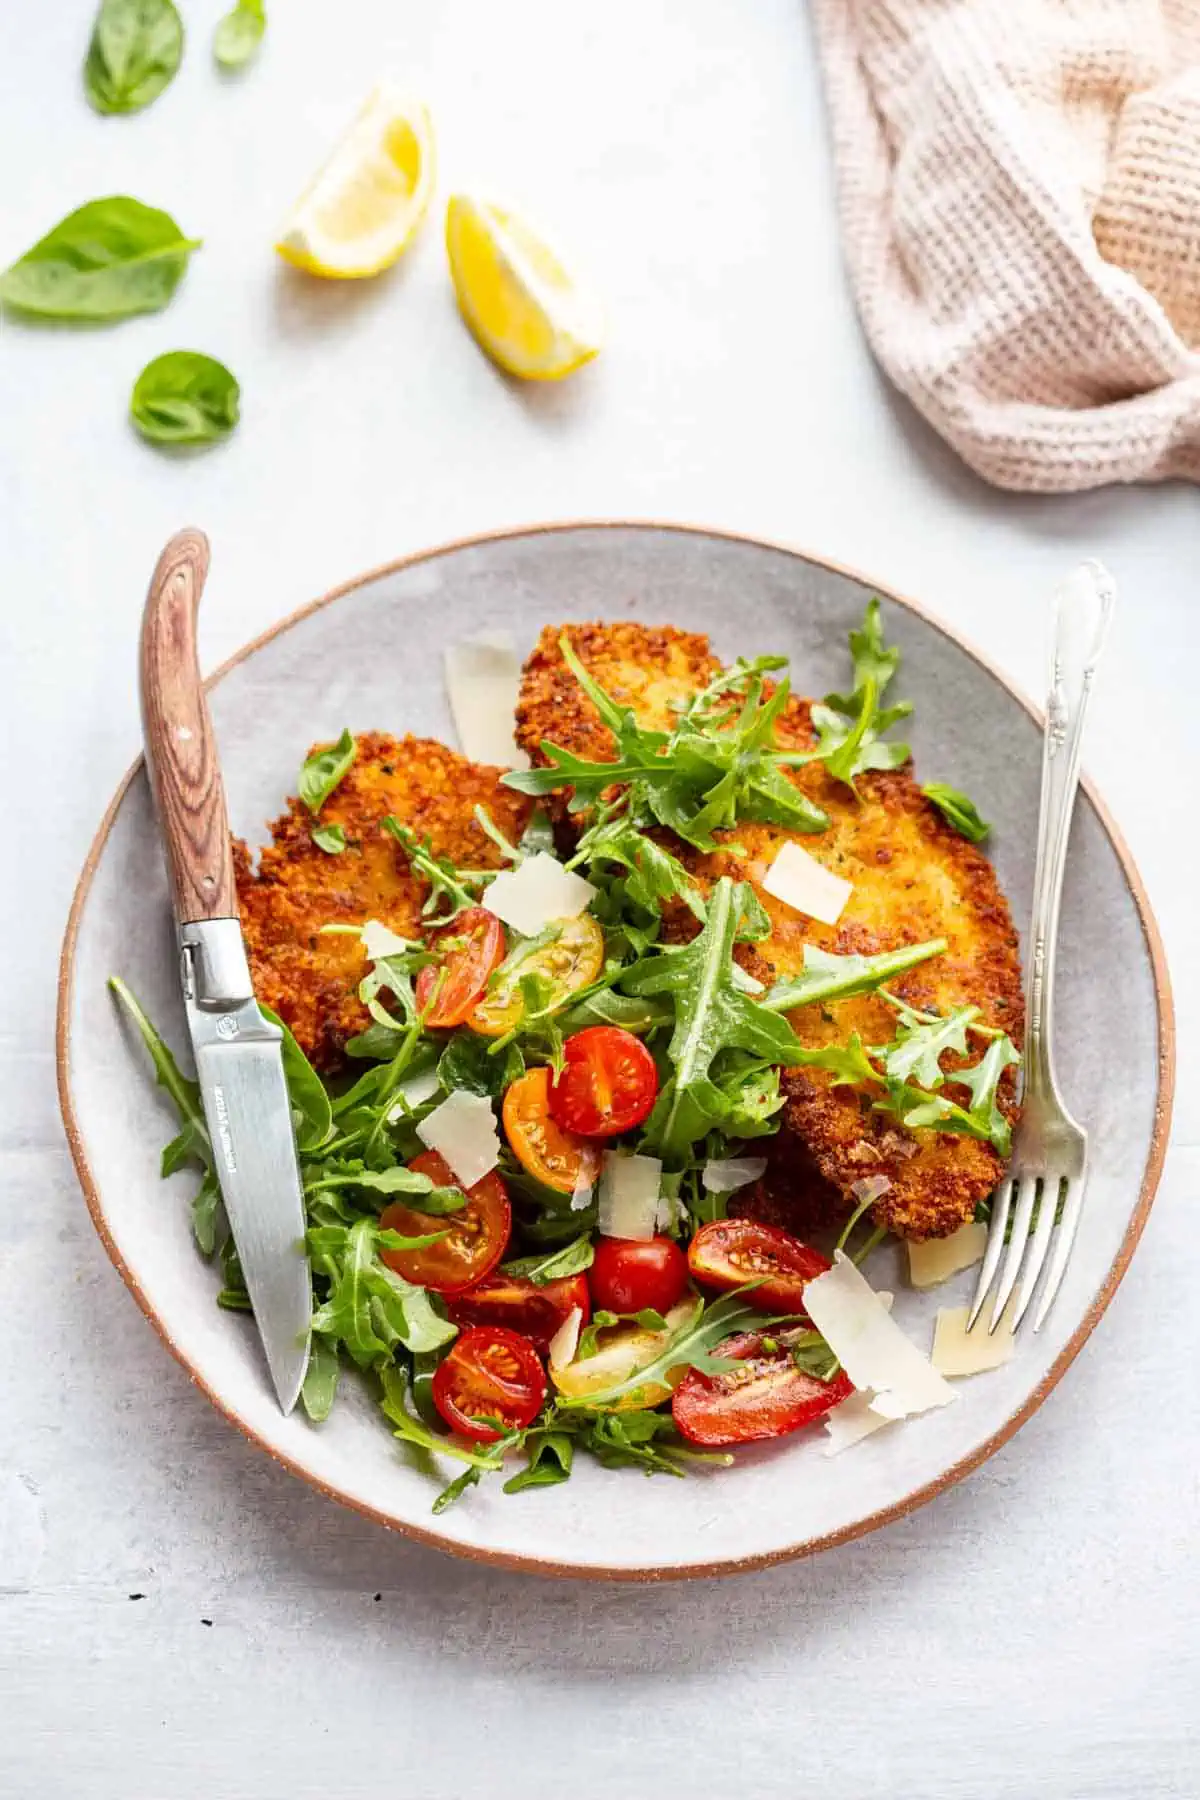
(185, 397)
(207, 1214)
(330, 838)
(850, 726)
(193, 1141)
(605, 1006)
(572, 1259)
(649, 1318)
(691, 1345)
(710, 1015)
(916, 1050)
(827, 976)
(320, 1378)
(415, 1431)
(134, 53)
(369, 1307)
(324, 769)
(550, 1454)
(239, 34)
(916, 1107)
(654, 875)
(958, 811)
(306, 1090)
(719, 764)
(646, 1440)
(107, 260)
(447, 885)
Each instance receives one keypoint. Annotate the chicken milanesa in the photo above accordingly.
(310, 979)
(915, 878)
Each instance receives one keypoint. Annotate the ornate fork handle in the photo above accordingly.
(1082, 610)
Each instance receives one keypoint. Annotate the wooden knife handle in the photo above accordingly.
(181, 750)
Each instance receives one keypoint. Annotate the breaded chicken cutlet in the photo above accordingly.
(311, 980)
(914, 877)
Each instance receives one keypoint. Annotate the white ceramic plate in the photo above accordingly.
(369, 655)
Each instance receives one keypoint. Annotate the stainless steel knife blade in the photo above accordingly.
(239, 1064)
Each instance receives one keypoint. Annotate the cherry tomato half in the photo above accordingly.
(520, 1305)
(491, 1373)
(729, 1252)
(474, 946)
(609, 1083)
(570, 961)
(626, 1276)
(556, 1157)
(475, 1237)
(765, 1397)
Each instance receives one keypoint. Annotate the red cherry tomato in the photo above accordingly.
(475, 1238)
(765, 1397)
(626, 1276)
(474, 946)
(729, 1252)
(520, 1305)
(489, 1373)
(609, 1083)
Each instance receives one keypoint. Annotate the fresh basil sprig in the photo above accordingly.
(324, 769)
(239, 34)
(107, 260)
(957, 810)
(184, 397)
(134, 53)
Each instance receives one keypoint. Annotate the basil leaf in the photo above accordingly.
(239, 34)
(324, 769)
(320, 1378)
(329, 838)
(184, 397)
(958, 811)
(135, 50)
(107, 260)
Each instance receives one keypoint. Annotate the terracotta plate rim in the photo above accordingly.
(725, 1565)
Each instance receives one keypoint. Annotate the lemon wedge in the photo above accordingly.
(361, 209)
(518, 299)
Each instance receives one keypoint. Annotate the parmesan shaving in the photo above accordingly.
(565, 1341)
(745, 982)
(870, 1346)
(804, 884)
(380, 940)
(938, 1259)
(536, 893)
(629, 1187)
(581, 1193)
(957, 1351)
(483, 678)
(850, 1423)
(726, 1174)
(414, 1091)
(463, 1131)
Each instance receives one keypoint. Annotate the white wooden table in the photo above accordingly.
(178, 1617)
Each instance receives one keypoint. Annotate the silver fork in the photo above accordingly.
(1050, 1148)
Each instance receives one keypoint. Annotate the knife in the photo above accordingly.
(238, 1052)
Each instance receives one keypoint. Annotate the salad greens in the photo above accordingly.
(134, 53)
(107, 260)
(958, 811)
(718, 1039)
(185, 397)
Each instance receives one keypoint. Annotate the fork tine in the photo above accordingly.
(1040, 1244)
(1001, 1201)
(1063, 1243)
(1019, 1238)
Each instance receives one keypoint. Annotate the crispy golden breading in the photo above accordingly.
(914, 879)
(310, 979)
(644, 668)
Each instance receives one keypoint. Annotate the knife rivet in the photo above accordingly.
(227, 1027)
